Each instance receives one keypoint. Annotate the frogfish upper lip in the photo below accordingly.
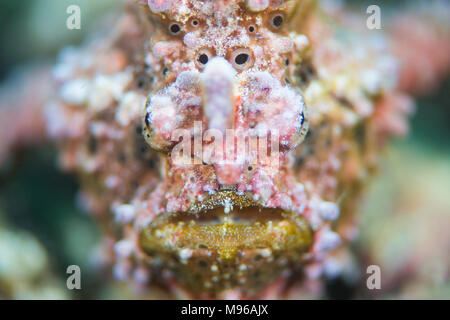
(225, 240)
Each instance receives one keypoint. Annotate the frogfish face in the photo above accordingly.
(225, 117)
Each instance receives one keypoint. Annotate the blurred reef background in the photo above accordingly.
(405, 217)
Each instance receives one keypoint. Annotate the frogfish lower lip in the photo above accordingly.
(227, 241)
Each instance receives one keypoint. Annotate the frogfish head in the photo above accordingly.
(226, 117)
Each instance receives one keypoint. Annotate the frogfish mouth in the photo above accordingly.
(228, 241)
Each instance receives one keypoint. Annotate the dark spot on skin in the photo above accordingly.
(241, 59)
(203, 58)
(152, 163)
(92, 144)
(277, 21)
(138, 130)
(306, 73)
(174, 28)
(308, 148)
(141, 148)
(309, 135)
(344, 102)
(143, 81)
(299, 162)
(202, 263)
